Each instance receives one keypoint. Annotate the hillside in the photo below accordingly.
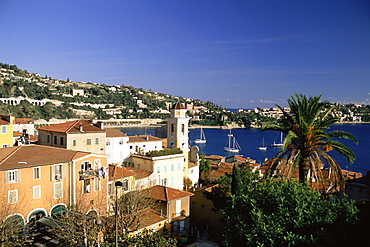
(25, 94)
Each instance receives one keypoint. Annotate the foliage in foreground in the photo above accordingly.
(282, 213)
(146, 239)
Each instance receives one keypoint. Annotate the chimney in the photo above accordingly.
(100, 125)
(81, 128)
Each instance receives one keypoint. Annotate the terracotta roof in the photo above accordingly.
(117, 172)
(113, 132)
(23, 121)
(19, 134)
(216, 174)
(139, 174)
(143, 138)
(78, 126)
(214, 157)
(166, 194)
(192, 164)
(226, 165)
(34, 155)
(147, 218)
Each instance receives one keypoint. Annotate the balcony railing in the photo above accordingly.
(88, 174)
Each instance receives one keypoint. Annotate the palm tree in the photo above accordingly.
(308, 142)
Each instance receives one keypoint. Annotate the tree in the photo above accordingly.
(204, 164)
(286, 213)
(145, 239)
(307, 141)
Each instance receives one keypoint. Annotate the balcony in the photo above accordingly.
(88, 174)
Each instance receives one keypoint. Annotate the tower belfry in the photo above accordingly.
(178, 130)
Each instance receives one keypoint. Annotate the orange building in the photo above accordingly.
(38, 181)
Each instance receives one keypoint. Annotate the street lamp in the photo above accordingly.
(117, 184)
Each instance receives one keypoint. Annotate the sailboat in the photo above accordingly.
(278, 144)
(262, 147)
(232, 144)
(202, 137)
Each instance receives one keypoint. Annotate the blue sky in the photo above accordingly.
(238, 54)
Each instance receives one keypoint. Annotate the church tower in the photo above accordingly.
(178, 131)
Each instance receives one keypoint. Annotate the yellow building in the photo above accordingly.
(80, 135)
(38, 181)
(173, 203)
(6, 131)
(169, 169)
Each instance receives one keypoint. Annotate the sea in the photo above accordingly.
(250, 139)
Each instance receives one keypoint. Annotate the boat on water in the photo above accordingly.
(278, 144)
(232, 144)
(202, 137)
(262, 147)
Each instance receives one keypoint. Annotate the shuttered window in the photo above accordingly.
(12, 196)
(58, 190)
(36, 191)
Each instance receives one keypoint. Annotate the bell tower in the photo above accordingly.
(178, 131)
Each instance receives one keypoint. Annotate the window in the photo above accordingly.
(6, 145)
(36, 173)
(183, 128)
(194, 204)
(61, 140)
(97, 186)
(12, 176)
(58, 190)
(57, 172)
(165, 169)
(96, 140)
(172, 128)
(125, 185)
(172, 168)
(36, 191)
(178, 166)
(172, 181)
(86, 186)
(3, 129)
(158, 169)
(88, 141)
(74, 143)
(85, 166)
(55, 139)
(110, 189)
(164, 182)
(12, 196)
(48, 138)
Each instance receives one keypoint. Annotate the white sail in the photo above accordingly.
(202, 137)
(232, 144)
(262, 147)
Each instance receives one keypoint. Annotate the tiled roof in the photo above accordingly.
(214, 157)
(113, 132)
(143, 138)
(192, 164)
(147, 218)
(166, 194)
(117, 172)
(19, 134)
(34, 155)
(23, 121)
(139, 174)
(77, 126)
(216, 174)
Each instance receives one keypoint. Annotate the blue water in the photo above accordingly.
(251, 139)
